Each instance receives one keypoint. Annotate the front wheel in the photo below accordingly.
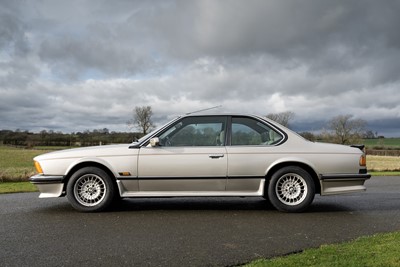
(291, 189)
(90, 189)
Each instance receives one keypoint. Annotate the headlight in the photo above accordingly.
(38, 167)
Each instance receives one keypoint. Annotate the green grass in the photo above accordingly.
(16, 164)
(17, 187)
(382, 142)
(377, 250)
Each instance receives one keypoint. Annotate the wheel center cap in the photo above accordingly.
(90, 189)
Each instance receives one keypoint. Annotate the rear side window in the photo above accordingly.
(251, 132)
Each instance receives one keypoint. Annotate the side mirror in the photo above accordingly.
(155, 141)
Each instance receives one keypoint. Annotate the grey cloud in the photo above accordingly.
(100, 50)
(90, 63)
(261, 26)
(390, 126)
(12, 34)
(326, 35)
(16, 67)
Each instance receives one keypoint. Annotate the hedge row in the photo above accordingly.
(383, 152)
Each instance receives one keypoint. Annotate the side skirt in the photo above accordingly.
(127, 188)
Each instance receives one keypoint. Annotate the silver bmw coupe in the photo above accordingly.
(205, 155)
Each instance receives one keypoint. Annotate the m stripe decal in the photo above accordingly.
(188, 178)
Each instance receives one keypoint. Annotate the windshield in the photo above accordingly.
(147, 136)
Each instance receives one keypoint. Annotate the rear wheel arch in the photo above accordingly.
(301, 165)
(291, 189)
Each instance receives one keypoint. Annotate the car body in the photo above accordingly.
(205, 155)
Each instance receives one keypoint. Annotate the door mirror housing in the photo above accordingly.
(155, 141)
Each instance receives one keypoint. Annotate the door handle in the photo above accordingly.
(217, 156)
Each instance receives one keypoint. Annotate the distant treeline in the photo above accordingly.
(105, 137)
(52, 138)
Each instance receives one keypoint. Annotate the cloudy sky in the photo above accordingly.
(76, 65)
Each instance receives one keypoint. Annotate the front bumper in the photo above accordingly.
(48, 185)
(332, 184)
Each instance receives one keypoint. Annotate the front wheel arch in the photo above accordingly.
(88, 164)
(91, 189)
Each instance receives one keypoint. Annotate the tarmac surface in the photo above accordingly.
(186, 231)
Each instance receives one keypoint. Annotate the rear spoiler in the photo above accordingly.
(361, 147)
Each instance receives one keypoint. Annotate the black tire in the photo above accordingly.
(90, 189)
(291, 189)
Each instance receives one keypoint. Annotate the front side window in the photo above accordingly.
(195, 131)
(248, 131)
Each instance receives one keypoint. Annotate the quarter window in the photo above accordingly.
(248, 131)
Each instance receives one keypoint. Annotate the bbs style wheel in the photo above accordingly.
(90, 189)
(291, 189)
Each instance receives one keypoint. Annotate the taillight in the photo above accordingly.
(363, 160)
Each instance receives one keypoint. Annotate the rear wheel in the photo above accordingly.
(291, 189)
(90, 189)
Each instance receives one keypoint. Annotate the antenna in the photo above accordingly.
(197, 111)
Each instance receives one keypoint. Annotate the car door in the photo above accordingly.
(190, 158)
(252, 149)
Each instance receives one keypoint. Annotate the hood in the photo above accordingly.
(93, 151)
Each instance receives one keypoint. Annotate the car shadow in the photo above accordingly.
(213, 204)
(197, 204)
(191, 203)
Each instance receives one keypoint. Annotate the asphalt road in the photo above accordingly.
(186, 231)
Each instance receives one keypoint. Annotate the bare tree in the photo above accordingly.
(142, 119)
(346, 130)
(282, 118)
(309, 136)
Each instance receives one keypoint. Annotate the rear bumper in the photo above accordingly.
(48, 185)
(332, 184)
(345, 176)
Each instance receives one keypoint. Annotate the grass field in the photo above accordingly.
(17, 187)
(16, 164)
(383, 163)
(377, 250)
(393, 143)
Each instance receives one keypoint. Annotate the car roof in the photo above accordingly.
(218, 114)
